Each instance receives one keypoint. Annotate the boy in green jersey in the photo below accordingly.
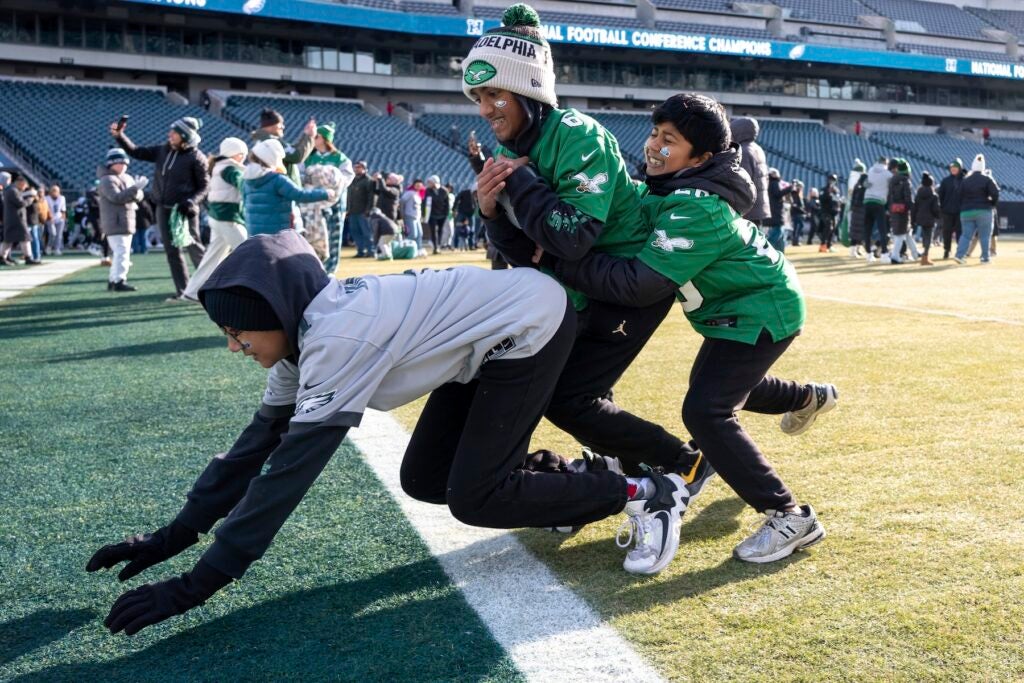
(558, 181)
(737, 291)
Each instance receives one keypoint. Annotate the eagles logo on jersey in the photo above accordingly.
(666, 243)
(311, 403)
(588, 184)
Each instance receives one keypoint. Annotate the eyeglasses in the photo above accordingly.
(234, 337)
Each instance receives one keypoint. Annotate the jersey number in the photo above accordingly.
(571, 120)
(691, 298)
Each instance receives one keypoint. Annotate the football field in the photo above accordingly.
(111, 405)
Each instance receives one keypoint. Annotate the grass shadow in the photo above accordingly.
(720, 518)
(22, 635)
(381, 628)
(150, 349)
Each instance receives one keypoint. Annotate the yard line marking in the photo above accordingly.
(912, 309)
(15, 280)
(549, 632)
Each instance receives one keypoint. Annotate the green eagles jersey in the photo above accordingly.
(733, 284)
(582, 163)
(335, 158)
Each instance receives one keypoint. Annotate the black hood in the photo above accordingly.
(720, 175)
(281, 268)
(744, 129)
(536, 113)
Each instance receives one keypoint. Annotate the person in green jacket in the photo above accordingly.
(558, 182)
(737, 291)
(326, 154)
(272, 127)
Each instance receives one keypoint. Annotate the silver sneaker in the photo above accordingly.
(781, 535)
(824, 399)
(653, 526)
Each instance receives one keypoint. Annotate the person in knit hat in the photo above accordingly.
(901, 207)
(119, 195)
(181, 181)
(949, 204)
(272, 127)
(325, 153)
(847, 232)
(558, 184)
(926, 214)
(979, 197)
(270, 195)
(226, 217)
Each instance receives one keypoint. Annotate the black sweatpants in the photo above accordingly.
(471, 442)
(951, 231)
(176, 259)
(728, 376)
(609, 338)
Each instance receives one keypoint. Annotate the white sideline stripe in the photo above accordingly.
(548, 631)
(15, 280)
(912, 309)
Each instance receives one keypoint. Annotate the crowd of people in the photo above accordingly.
(878, 203)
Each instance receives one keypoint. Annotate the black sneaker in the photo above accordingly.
(589, 462)
(698, 475)
(110, 286)
(122, 286)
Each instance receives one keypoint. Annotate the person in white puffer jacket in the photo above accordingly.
(227, 220)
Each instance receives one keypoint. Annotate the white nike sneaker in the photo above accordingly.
(782, 534)
(799, 421)
(653, 526)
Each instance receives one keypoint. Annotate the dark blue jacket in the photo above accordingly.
(268, 202)
(978, 191)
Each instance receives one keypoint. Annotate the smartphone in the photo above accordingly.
(122, 122)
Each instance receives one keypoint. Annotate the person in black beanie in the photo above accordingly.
(181, 180)
(487, 346)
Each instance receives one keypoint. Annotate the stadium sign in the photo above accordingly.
(424, 24)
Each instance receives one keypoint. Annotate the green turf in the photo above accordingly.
(111, 407)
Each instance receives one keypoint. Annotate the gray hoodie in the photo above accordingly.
(745, 131)
(356, 343)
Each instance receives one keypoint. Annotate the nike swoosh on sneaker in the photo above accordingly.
(586, 157)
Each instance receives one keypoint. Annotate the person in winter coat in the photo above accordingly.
(797, 211)
(858, 228)
(411, 204)
(272, 128)
(362, 199)
(876, 196)
(901, 205)
(831, 206)
(813, 214)
(181, 180)
(227, 219)
(465, 211)
(745, 131)
(58, 220)
(325, 152)
(16, 229)
(926, 213)
(487, 347)
(119, 196)
(979, 196)
(777, 193)
(270, 194)
(436, 205)
(855, 177)
(949, 202)
(389, 194)
(36, 214)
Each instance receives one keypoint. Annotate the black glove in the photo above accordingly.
(144, 550)
(154, 602)
(187, 208)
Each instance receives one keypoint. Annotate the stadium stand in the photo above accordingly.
(690, 27)
(936, 151)
(568, 18)
(843, 12)
(932, 18)
(954, 52)
(67, 144)
(1006, 20)
(385, 142)
(712, 6)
